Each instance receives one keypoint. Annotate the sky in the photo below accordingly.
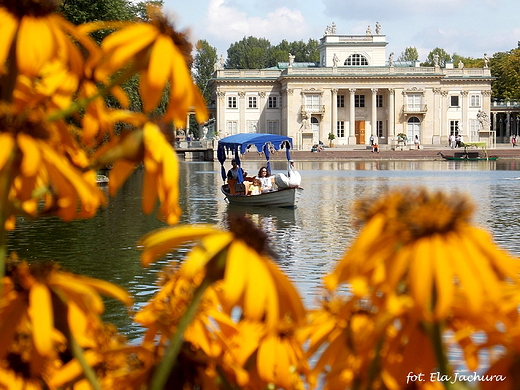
(469, 28)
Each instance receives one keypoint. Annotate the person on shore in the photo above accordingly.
(264, 177)
(372, 139)
(452, 141)
(375, 148)
(513, 141)
(416, 142)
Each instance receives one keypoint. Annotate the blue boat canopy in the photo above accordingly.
(239, 144)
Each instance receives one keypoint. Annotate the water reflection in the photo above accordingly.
(308, 240)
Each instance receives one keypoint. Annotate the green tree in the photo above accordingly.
(203, 66)
(505, 66)
(443, 57)
(409, 54)
(468, 62)
(84, 11)
(279, 53)
(249, 53)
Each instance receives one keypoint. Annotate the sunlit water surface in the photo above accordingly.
(309, 240)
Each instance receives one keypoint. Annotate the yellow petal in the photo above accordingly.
(107, 289)
(35, 44)
(159, 242)
(7, 142)
(41, 314)
(31, 155)
(8, 25)
(420, 275)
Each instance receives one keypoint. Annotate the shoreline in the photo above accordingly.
(359, 152)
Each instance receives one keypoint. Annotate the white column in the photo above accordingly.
(334, 119)
(352, 118)
(242, 112)
(220, 125)
(464, 105)
(374, 113)
(262, 125)
(391, 114)
(444, 111)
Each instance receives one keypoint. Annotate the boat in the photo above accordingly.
(102, 179)
(287, 193)
(468, 155)
(287, 197)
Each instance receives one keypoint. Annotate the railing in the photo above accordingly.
(415, 109)
(248, 73)
(313, 109)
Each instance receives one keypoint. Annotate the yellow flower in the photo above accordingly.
(280, 359)
(161, 179)
(46, 163)
(426, 241)
(42, 36)
(249, 278)
(159, 52)
(43, 307)
(162, 314)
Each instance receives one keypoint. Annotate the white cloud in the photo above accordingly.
(228, 23)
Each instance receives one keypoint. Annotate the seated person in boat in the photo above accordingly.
(255, 187)
(266, 180)
(233, 172)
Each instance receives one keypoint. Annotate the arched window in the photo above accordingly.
(356, 60)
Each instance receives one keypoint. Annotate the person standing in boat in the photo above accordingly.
(233, 172)
(265, 180)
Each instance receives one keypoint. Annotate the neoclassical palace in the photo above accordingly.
(356, 90)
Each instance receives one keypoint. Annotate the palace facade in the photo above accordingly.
(356, 90)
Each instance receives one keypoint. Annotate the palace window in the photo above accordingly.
(454, 101)
(340, 132)
(272, 102)
(272, 127)
(232, 102)
(251, 101)
(379, 100)
(454, 127)
(474, 101)
(232, 127)
(413, 102)
(356, 60)
(312, 102)
(379, 128)
(359, 100)
(252, 126)
(341, 100)
(473, 130)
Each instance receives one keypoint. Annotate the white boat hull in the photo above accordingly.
(282, 198)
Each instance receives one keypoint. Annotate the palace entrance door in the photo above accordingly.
(360, 132)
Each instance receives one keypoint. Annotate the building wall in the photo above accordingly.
(430, 102)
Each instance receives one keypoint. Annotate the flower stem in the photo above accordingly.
(435, 332)
(6, 180)
(164, 368)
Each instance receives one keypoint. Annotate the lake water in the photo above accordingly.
(309, 239)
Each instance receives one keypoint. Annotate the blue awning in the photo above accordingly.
(239, 144)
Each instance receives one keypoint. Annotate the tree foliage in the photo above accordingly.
(444, 57)
(258, 53)
(249, 53)
(505, 66)
(203, 66)
(409, 54)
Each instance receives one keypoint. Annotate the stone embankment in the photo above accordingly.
(362, 153)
